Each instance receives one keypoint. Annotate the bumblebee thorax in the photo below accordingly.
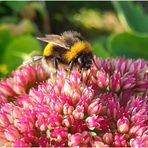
(77, 49)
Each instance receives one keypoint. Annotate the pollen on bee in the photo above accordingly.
(76, 49)
(48, 50)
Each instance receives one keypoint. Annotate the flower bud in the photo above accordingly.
(128, 82)
(3, 141)
(115, 82)
(4, 122)
(92, 122)
(102, 79)
(75, 95)
(41, 74)
(123, 125)
(137, 130)
(57, 106)
(43, 141)
(19, 89)
(29, 73)
(20, 143)
(67, 88)
(59, 133)
(137, 142)
(54, 120)
(68, 120)
(96, 141)
(78, 113)
(6, 90)
(67, 109)
(108, 138)
(119, 140)
(75, 139)
(86, 137)
(94, 107)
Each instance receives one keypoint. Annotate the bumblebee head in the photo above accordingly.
(80, 50)
(85, 60)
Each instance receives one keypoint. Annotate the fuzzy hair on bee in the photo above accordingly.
(69, 48)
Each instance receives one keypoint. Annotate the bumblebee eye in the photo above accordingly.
(82, 60)
(85, 61)
(79, 60)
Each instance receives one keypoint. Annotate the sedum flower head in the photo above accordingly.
(105, 106)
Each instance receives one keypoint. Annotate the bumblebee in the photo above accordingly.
(69, 48)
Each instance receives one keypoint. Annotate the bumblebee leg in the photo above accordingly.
(81, 72)
(88, 78)
(55, 62)
(47, 67)
(71, 65)
(95, 63)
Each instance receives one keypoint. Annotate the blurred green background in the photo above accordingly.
(115, 29)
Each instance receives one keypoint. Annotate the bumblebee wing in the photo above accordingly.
(52, 36)
(55, 40)
(32, 60)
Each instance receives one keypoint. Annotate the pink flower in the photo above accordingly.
(104, 107)
(11, 133)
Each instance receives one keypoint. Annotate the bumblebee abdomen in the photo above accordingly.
(48, 50)
(52, 51)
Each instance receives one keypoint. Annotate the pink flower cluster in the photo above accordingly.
(105, 106)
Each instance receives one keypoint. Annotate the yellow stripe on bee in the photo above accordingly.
(48, 50)
(76, 49)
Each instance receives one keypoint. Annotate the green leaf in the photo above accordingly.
(18, 47)
(99, 46)
(132, 16)
(5, 38)
(9, 19)
(129, 45)
(16, 5)
(99, 51)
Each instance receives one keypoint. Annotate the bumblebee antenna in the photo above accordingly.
(89, 71)
(95, 63)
